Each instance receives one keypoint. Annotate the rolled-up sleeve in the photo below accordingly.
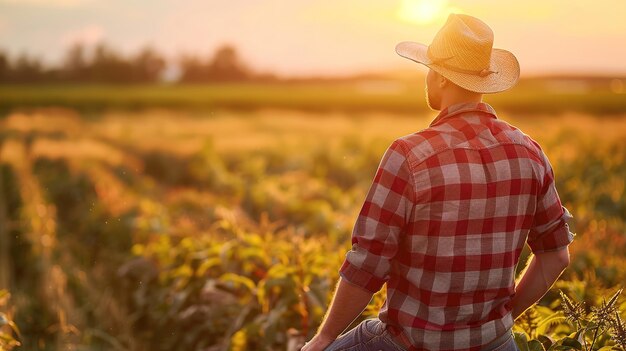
(550, 230)
(376, 234)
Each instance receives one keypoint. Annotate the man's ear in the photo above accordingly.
(443, 81)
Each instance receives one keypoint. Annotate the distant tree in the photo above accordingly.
(27, 69)
(224, 66)
(75, 64)
(193, 69)
(109, 66)
(147, 66)
(4, 67)
(227, 66)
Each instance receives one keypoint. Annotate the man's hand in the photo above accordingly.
(544, 269)
(318, 343)
(347, 304)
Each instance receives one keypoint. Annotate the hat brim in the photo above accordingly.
(503, 63)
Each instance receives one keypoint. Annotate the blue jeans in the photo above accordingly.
(369, 335)
(372, 335)
(503, 343)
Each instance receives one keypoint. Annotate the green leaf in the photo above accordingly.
(572, 343)
(607, 348)
(208, 264)
(535, 345)
(555, 319)
(546, 341)
(613, 298)
(521, 340)
(239, 280)
(279, 271)
(579, 335)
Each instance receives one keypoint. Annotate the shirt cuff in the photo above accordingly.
(556, 238)
(361, 278)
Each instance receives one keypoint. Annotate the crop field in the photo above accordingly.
(224, 229)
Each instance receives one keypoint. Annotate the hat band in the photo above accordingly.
(481, 73)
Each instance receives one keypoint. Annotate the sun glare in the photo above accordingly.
(422, 11)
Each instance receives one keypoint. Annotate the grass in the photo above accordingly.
(394, 96)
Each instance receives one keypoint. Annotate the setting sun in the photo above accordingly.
(422, 11)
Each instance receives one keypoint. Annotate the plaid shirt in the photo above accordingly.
(444, 223)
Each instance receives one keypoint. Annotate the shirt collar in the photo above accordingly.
(461, 108)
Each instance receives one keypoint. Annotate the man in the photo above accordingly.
(448, 213)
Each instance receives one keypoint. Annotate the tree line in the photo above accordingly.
(102, 63)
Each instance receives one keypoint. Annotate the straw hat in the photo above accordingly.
(462, 51)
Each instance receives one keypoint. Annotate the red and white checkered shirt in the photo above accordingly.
(444, 222)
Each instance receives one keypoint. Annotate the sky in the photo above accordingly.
(322, 37)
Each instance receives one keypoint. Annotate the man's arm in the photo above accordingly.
(347, 304)
(544, 269)
(375, 241)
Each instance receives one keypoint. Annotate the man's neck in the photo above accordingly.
(459, 98)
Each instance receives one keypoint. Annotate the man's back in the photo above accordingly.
(463, 196)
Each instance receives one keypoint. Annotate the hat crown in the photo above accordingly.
(464, 42)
